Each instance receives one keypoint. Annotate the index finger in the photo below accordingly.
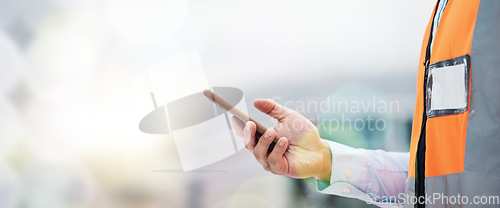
(271, 108)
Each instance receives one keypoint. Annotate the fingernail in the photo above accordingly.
(267, 135)
(282, 143)
(247, 127)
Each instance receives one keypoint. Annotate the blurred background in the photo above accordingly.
(70, 102)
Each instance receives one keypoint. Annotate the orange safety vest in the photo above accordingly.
(455, 140)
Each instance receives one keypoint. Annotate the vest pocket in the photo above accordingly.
(447, 90)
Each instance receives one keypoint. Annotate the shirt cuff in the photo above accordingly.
(348, 165)
(349, 176)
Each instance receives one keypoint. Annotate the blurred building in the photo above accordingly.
(70, 102)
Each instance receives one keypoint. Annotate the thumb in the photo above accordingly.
(271, 108)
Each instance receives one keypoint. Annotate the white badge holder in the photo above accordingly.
(447, 90)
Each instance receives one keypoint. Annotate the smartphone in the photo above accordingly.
(237, 113)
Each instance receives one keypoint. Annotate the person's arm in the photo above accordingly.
(301, 153)
(374, 176)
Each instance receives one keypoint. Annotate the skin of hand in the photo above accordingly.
(299, 152)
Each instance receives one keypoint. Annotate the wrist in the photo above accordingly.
(325, 165)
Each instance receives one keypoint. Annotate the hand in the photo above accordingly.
(299, 152)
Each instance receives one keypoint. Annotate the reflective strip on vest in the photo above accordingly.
(462, 155)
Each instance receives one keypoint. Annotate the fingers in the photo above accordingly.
(238, 126)
(261, 149)
(270, 161)
(249, 135)
(275, 158)
(271, 108)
